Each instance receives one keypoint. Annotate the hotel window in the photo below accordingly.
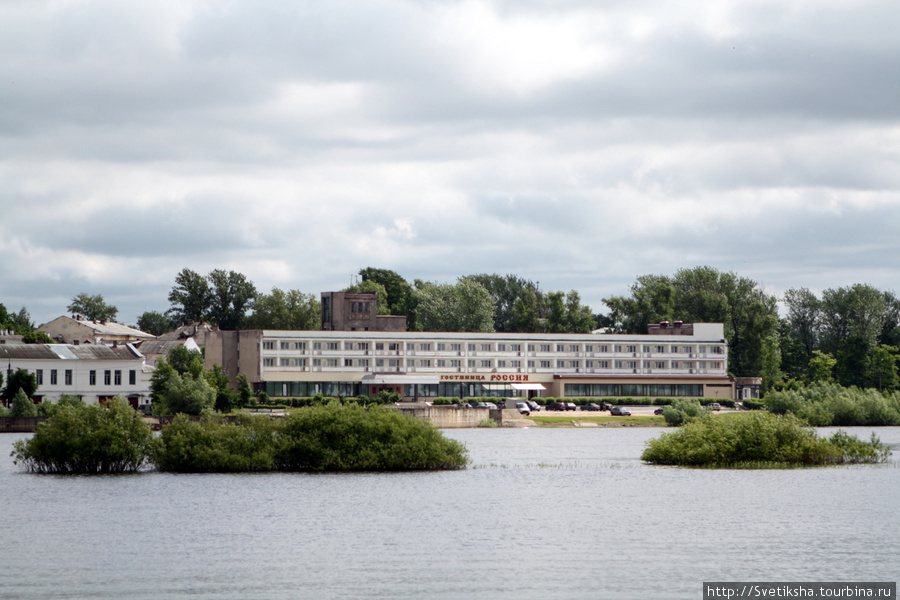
(285, 345)
(501, 347)
(660, 349)
(394, 362)
(646, 348)
(299, 345)
(317, 345)
(68, 376)
(472, 363)
(517, 363)
(718, 350)
(659, 364)
(530, 364)
(268, 362)
(132, 377)
(39, 376)
(573, 347)
(589, 348)
(630, 348)
(92, 378)
(379, 345)
(516, 347)
(456, 363)
(348, 362)
(545, 347)
(485, 347)
(331, 346)
(545, 364)
(362, 346)
(455, 347)
(348, 345)
(603, 348)
(117, 377)
(107, 377)
(285, 362)
(331, 362)
(425, 363)
(363, 362)
(485, 364)
(299, 362)
(425, 347)
(531, 347)
(441, 363)
(393, 346)
(441, 347)
(379, 362)
(603, 364)
(618, 348)
(501, 364)
(317, 362)
(268, 345)
(560, 348)
(52, 376)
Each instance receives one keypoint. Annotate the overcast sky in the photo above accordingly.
(575, 143)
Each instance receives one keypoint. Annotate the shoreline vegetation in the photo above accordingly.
(333, 438)
(759, 440)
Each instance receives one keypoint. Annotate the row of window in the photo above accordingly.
(490, 347)
(299, 389)
(110, 377)
(487, 363)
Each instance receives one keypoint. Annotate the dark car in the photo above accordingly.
(591, 406)
(534, 406)
(620, 411)
(557, 406)
(571, 406)
(658, 411)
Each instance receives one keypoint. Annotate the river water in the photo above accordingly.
(541, 514)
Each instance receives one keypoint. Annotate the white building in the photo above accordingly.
(677, 360)
(94, 373)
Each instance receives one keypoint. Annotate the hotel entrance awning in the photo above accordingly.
(527, 386)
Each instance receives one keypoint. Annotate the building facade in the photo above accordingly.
(94, 373)
(77, 330)
(691, 361)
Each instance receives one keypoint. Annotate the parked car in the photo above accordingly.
(714, 406)
(620, 411)
(534, 406)
(523, 408)
(571, 406)
(490, 405)
(591, 406)
(658, 411)
(464, 405)
(556, 406)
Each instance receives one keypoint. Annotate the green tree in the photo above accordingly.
(820, 368)
(525, 316)
(285, 310)
(88, 439)
(804, 314)
(155, 323)
(466, 306)
(859, 311)
(20, 379)
(187, 394)
(191, 297)
(399, 293)
(185, 361)
(232, 296)
(93, 307)
(881, 368)
(226, 397)
(18, 323)
(652, 300)
(245, 393)
(372, 286)
(37, 337)
(771, 362)
(22, 406)
(505, 290)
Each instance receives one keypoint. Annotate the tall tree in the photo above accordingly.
(191, 297)
(285, 310)
(859, 311)
(505, 290)
(399, 293)
(881, 368)
(233, 296)
(525, 316)
(466, 306)
(155, 323)
(382, 308)
(804, 313)
(20, 379)
(93, 307)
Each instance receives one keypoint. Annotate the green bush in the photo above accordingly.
(22, 406)
(757, 439)
(831, 404)
(328, 437)
(682, 411)
(88, 439)
(242, 442)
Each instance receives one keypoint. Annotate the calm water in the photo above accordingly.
(542, 514)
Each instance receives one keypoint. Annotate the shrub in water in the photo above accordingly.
(88, 439)
(328, 437)
(760, 439)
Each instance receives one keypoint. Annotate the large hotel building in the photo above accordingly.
(357, 352)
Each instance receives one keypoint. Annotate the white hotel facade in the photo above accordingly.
(671, 361)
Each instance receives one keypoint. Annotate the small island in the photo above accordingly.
(758, 440)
